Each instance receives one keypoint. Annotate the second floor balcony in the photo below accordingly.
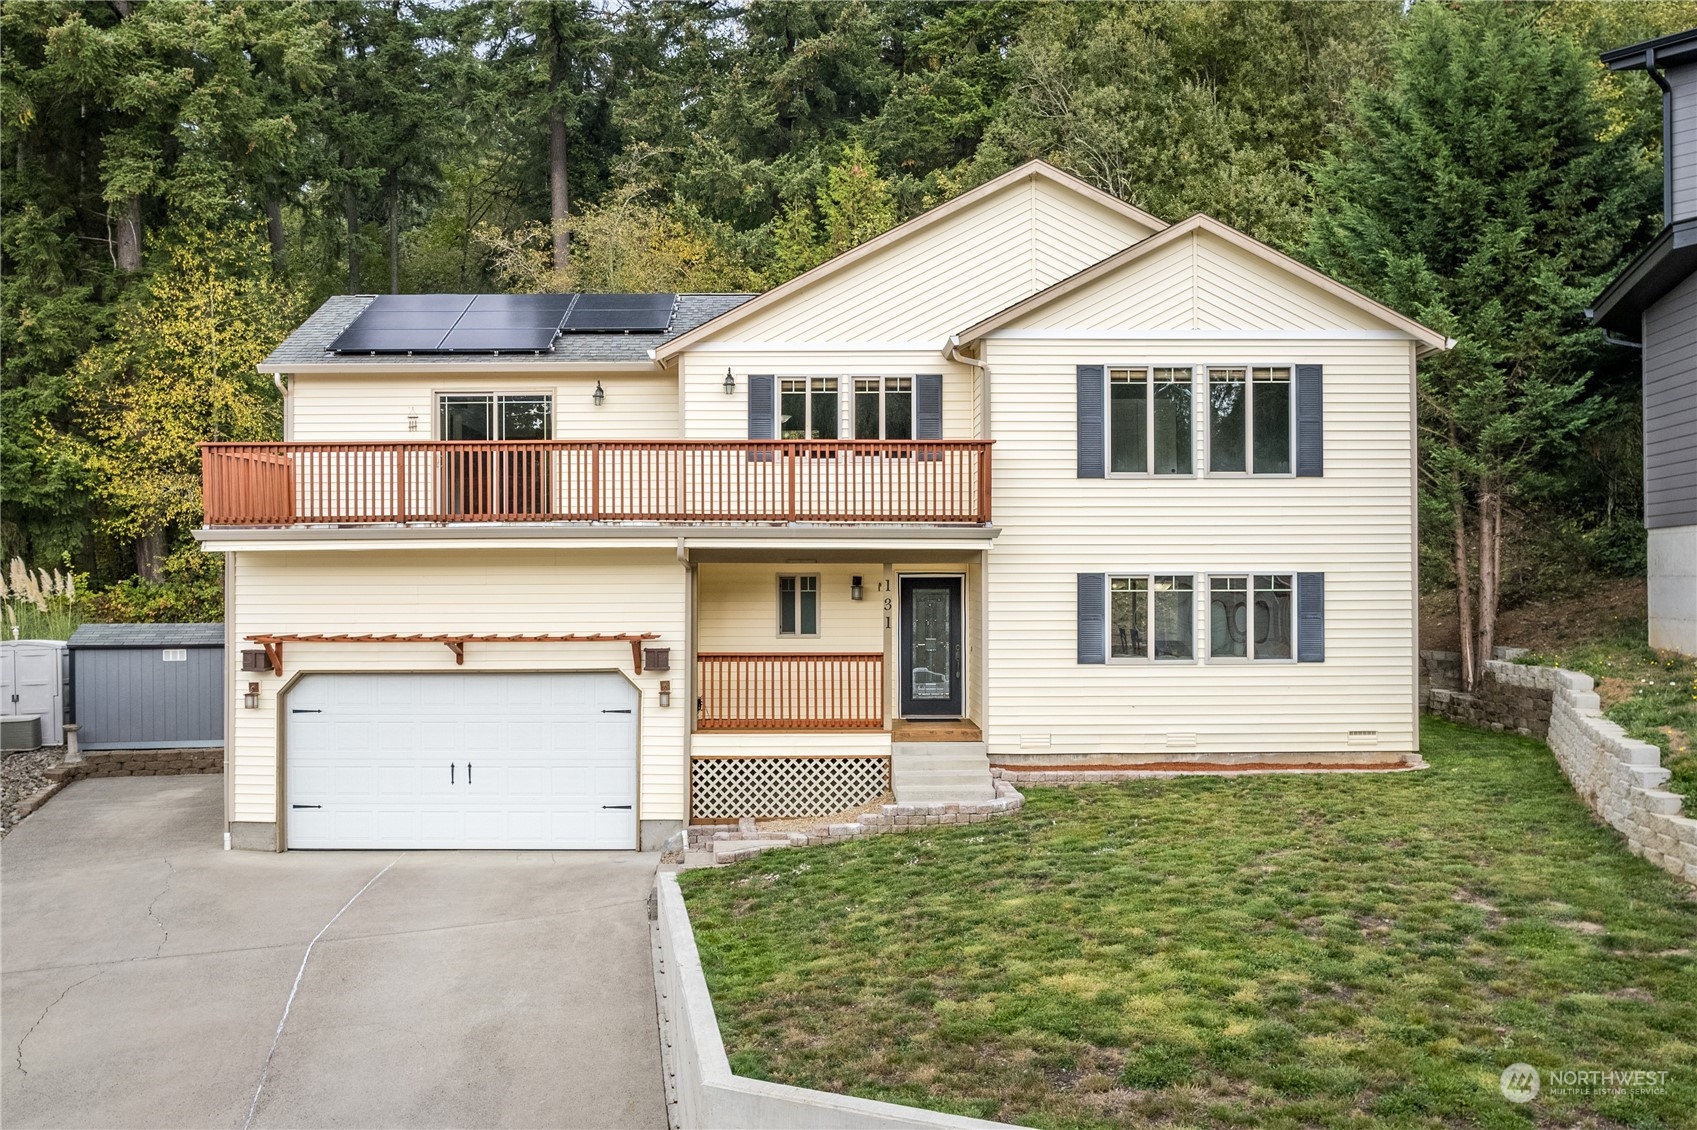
(931, 482)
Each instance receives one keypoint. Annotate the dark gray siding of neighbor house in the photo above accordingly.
(1682, 130)
(129, 695)
(1670, 407)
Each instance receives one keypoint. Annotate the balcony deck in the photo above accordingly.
(931, 482)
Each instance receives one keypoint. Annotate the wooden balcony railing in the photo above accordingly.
(282, 484)
(842, 691)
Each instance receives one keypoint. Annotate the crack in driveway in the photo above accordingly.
(43, 1016)
(170, 876)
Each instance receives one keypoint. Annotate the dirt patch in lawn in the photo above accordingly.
(1609, 609)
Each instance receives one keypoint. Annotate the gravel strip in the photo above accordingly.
(22, 775)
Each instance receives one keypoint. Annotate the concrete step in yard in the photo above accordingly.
(940, 772)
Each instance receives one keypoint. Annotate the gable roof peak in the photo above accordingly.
(1034, 169)
(1430, 340)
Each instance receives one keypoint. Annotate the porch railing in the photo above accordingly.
(281, 484)
(841, 691)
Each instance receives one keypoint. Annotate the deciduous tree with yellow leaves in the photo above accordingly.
(180, 369)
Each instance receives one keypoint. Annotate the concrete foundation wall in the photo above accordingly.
(1673, 588)
(701, 1091)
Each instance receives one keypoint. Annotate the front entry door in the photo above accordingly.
(933, 647)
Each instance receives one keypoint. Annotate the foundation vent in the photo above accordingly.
(1035, 741)
(1363, 738)
(1181, 740)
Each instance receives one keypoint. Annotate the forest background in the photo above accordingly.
(182, 181)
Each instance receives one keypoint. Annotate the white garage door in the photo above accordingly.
(461, 761)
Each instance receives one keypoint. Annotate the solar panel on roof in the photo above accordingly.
(456, 323)
(496, 323)
(620, 313)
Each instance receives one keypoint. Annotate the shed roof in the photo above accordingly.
(1670, 259)
(110, 636)
(308, 345)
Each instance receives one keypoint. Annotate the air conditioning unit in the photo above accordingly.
(20, 732)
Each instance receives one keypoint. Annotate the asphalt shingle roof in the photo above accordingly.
(306, 346)
(147, 635)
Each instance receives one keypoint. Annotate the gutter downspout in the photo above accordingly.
(283, 391)
(1651, 69)
(951, 352)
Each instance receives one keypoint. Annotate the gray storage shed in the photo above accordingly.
(148, 686)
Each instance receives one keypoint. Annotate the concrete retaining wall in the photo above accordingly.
(1619, 778)
(701, 1091)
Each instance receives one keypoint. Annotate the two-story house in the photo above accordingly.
(1653, 303)
(1033, 478)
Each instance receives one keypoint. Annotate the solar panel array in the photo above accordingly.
(496, 323)
(620, 313)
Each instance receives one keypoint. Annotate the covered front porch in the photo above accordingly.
(819, 679)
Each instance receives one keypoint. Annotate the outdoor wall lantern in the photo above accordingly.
(251, 698)
(856, 589)
(665, 692)
(600, 396)
(730, 384)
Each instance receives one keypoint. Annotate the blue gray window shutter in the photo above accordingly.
(1092, 441)
(1310, 423)
(762, 408)
(1093, 617)
(928, 406)
(1311, 617)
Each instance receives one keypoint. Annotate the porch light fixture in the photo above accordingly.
(730, 383)
(251, 698)
(600, 396)
(665, 692)
(856, 589)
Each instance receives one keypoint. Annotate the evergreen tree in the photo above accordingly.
(1482, 194)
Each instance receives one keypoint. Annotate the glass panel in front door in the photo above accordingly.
(932, 642)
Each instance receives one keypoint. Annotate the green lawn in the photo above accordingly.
(1350, 950)
(1658, 697)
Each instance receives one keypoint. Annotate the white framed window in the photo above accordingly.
(883, 408)
(1252, 616)
(494, 415)
(1151, 617)
(808, 408)
(1151, 428)
(798, 605)
(1250, 419)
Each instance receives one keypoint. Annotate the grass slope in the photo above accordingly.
(1651, 694)
(1271, 951)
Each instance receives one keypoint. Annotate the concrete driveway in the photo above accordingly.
(144, 973)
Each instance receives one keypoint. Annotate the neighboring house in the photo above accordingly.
(1654, 302)
(1032, 478)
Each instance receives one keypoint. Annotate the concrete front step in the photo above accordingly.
(730, 851)
(933, 772)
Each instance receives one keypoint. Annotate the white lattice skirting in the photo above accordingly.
(776, 788)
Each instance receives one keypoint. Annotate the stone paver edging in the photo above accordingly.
(702, 1091)
(888, 818)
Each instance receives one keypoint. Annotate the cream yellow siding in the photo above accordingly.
(435, 591)
(709, 414)
(1199, 282)
(1355, 524)
(737, 608)
(358, 406)
(990, 255)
